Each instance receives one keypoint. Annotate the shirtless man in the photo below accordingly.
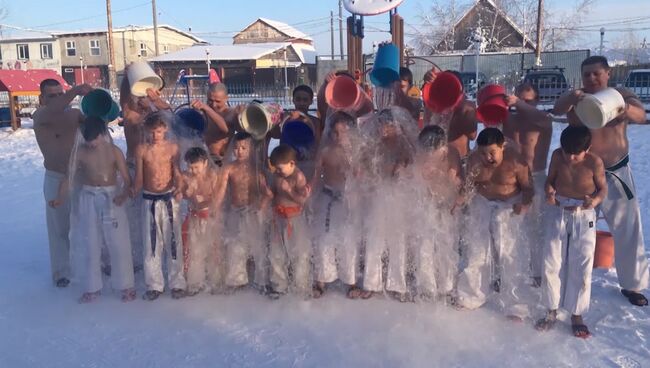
(157, 174)
(621, 207)
(530, 130)
(504, 192)
(224, 123)
(55, 127)
(249, 198)
(575, 186)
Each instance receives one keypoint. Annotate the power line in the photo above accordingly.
(92, 16)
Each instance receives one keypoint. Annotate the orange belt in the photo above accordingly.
(287, 212)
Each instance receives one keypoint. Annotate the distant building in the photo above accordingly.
(265, 30)
(30, 50)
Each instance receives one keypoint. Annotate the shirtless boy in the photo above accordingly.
(575, 186)
(200, 185)
(99, 217)
(55, 127)
(303, 97)
(157, 174)
(249, 197)
(290, 245)
(504, 192)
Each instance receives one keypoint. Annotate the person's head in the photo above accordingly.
(283, 158)
(93, 130)
(218, 96)
(575, 142)
(303, 96)
(490, 142)
(405, 78)
(432, 137)
(50, 89)
(156, 127)
(528, 93)
(388, 130)
(197, 161)
(595, 73)
(242, 145)
(340, 124)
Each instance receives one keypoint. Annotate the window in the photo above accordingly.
(165, 49)
(46, 51)
(94, 47)
(22, 49)
(70, 48)
(143, 49)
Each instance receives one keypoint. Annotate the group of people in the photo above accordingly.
(375, 203)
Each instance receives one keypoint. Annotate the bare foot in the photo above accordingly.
(579, 328)
(89, 297)
(128, 295)
(318, 290)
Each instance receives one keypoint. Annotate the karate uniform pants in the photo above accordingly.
(290, 248)
(245, 238)
(203, 258)
(535, 223)
(58, 226)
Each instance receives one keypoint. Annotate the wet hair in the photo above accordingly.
(154, 120)
(432, 136)
(575, 139)
(341, 117)
(405, 74)
(240, 136)
(195, 154)
(92, 128)
(524, 87)
(48, 83)
(283, 154)
(303, 88)
(490, 136)
(596, 59)
(217, 87)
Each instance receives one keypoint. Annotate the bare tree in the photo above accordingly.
(437, 25)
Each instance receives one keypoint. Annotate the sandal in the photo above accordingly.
(89, 297)
(128, 295)
(545, 323)
(635, 298)
(151, 295)
(581, 331)
(317, 291)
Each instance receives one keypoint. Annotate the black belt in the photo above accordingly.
(167, 198)
(610, 170)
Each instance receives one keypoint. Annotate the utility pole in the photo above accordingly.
(538, 48)
(341, 27)
(112, 80)
(332, 32)
(602, 39)
(552, 39)
(155, 26)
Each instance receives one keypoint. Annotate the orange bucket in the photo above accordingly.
(604, 253)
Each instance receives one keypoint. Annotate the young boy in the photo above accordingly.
(303, 97)
(199, 189)
(576, 184)
(290, 244)
(336, 244)
(99, 217)
(437, 183)
(249, 196)
(157, 174)
(504, 192)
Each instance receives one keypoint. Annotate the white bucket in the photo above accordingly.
(141, 77)
(256, 120)
(600, 108)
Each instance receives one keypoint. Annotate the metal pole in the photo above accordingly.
(332, 32)
(124, 48)
(155, 26)
(286, 78)
(553, 39)
(81, 68)
(538, 48)
(602, 39)
(207, 59)
(341, 28)
(112, 80)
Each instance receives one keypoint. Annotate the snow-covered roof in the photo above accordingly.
(128, 28)
(306, 53)
(15, 35)
(246, 51)
(281, 27)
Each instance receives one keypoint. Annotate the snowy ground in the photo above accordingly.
(42, 326)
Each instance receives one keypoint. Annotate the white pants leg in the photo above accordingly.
(329, 218)
(535, 223)
(58, 226)
(397, 260)
(243, 236)
(290, 248)
(446, 255)
(134, 212)
(198, 243)
(624, 220)
(375, 246)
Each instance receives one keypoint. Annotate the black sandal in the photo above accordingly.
(581, 331)
(635, 298)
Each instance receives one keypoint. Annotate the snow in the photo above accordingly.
(43, 326)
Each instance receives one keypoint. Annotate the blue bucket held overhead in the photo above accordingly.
(385, 70)
(97, 103)
(298, 135)
(188, 123)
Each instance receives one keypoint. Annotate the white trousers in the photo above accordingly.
(289, 253)
(535, 223)
(336, 243)
(98, 223)
(204, 269)
(58, 226)
(244, 238)
(494, 252)
(624, 220)
(568, 259)
(134, 212)
(160, 233)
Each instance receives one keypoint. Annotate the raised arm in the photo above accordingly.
(634, 109)
(549, 185)
(530, 113)
(59, 103)
(212, 115)
(567, 101)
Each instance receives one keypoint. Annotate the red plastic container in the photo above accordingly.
(492, 109)
(444, 93)
(342, 92)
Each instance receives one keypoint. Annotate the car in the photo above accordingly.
(550, 82)
(638, 81)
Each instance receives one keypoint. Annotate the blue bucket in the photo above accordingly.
(298, 135)
(113, 113)
(188, 123)
(97, 103)
(385, 71)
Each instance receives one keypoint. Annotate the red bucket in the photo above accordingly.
(342, 92)
(444, 93)
(492, 109)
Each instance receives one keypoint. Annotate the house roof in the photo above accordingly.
(280, 27)
(27, 80)
(127, 28)
(247, 51)
(18, 35)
